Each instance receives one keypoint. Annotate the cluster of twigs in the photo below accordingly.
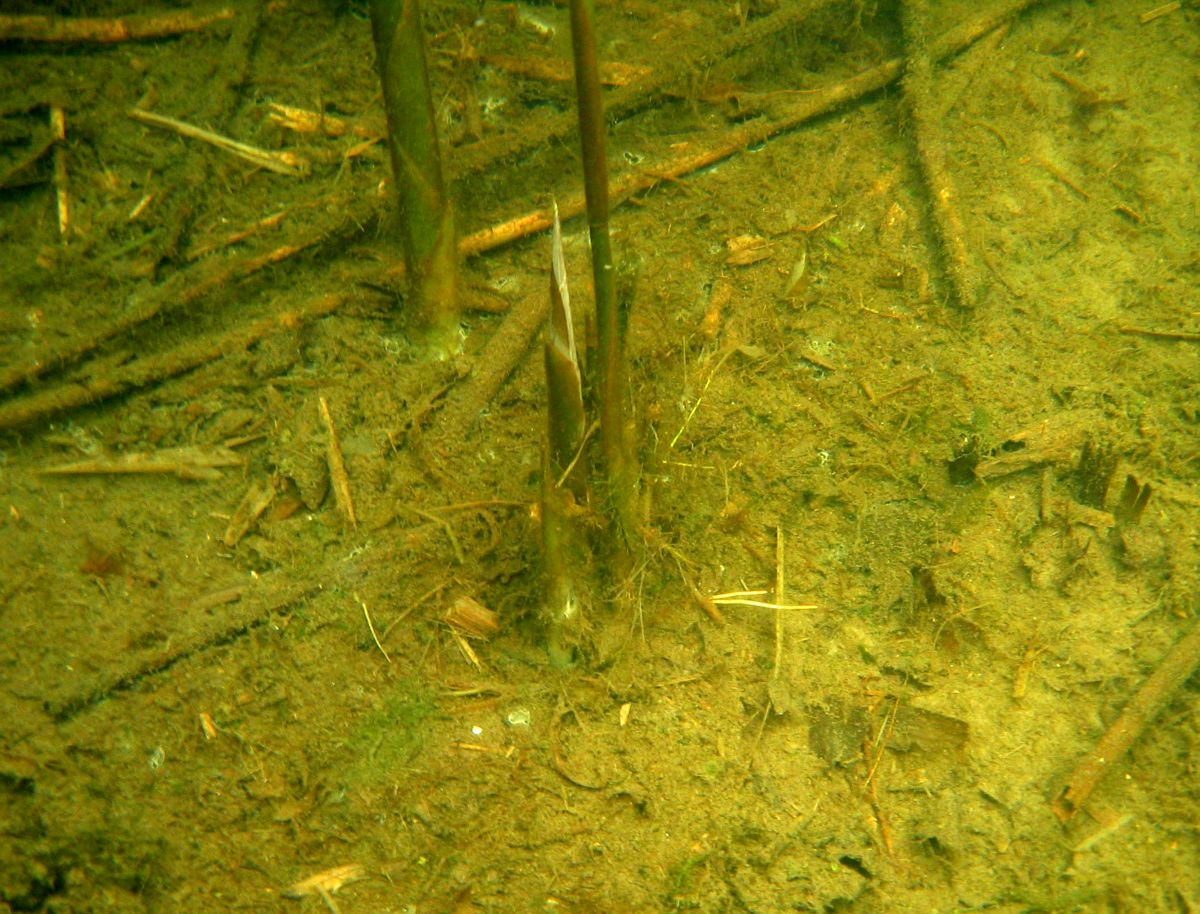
(431, 262)
(347, 215)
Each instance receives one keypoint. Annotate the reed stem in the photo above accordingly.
(610, 368)
(426, 215)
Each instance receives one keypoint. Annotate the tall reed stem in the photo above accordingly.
(426, 216)
(610, 370)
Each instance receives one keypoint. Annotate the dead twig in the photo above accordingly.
(1086, 98)
(371, 626)
(459, 558)
(270, 593)
(257, 499)
(746, 598)
(1187, 336)
(497, 360)
(64, 30)
(337, 467)
(1159, 11)
(1062, 177)
(184, 462)
(230, 73)
(62, 194)
(302, 120)
(1147, 702)
(281, 162)
(780, 600)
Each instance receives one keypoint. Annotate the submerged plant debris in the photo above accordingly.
(932, 329)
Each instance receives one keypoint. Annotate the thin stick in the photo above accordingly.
(1183, 335)
(281, 162)
(763, 604)
(155, 368)
(741, 598)
(503, 351)
(878, 745)
(1158, 11)
(476, 505)
(1147, 702)
(780, 590)
(231, 72)
(578, 453)
(371, 626)
(705, 603)
(695, 406)
(337, 467)
(58, 129)
(566, 420)
(60, 29)
(328, 899)
(446, 528)
(465, 647)
(184, 462)
(412, 607)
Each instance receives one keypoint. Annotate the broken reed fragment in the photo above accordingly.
(326, 882)
(564, 380)
(337, 467)
(1134, 498)
(282, 162)
(185, 462)
(62, 193)
(472, 619)
(562, 485)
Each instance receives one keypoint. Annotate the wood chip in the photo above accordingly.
(747, 249)
(256, 500)
(1056, 440)
(327, 881)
